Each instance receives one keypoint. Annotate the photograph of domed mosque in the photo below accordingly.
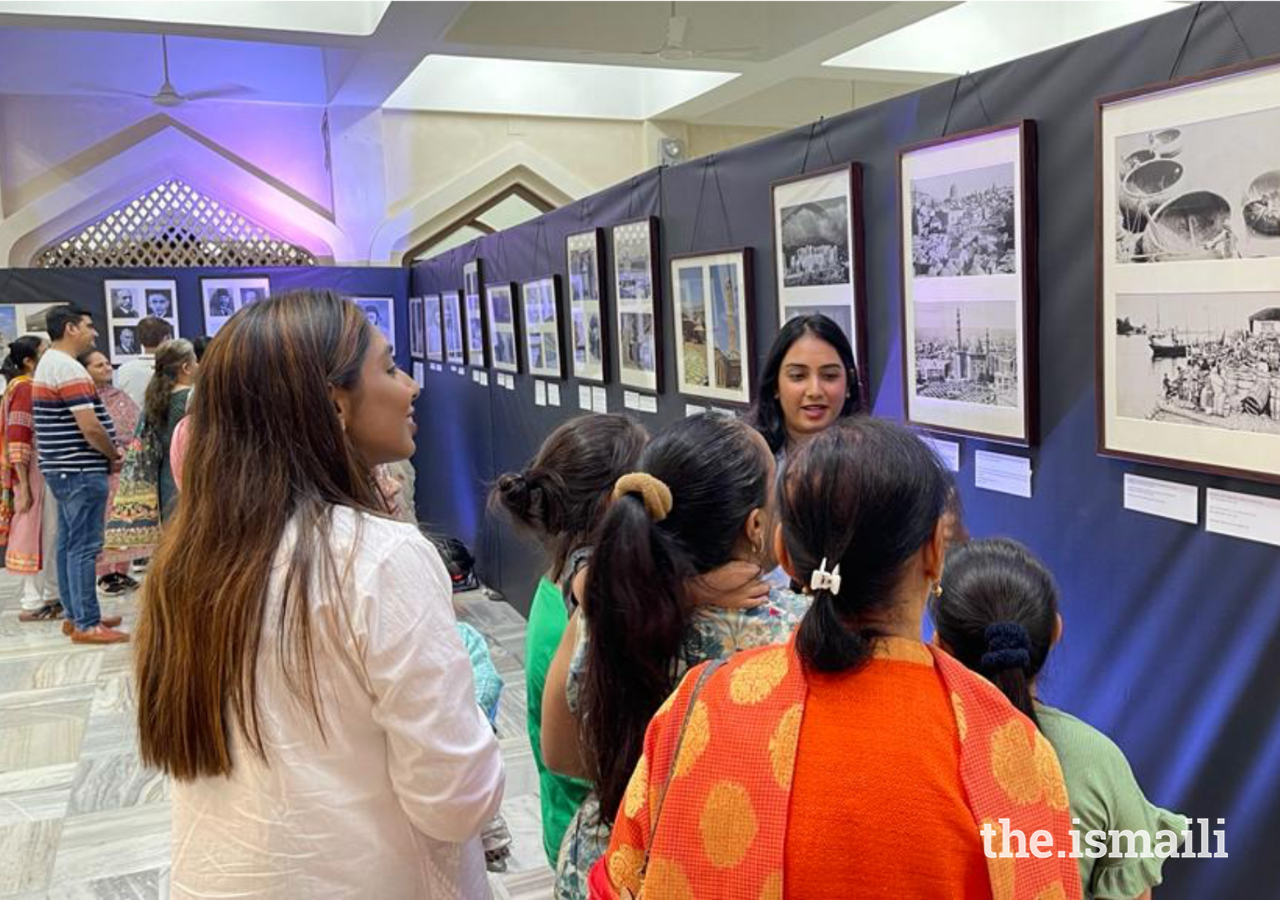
(712, 309)
(967, 351)
(962, 223)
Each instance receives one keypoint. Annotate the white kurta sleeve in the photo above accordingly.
(443, 758)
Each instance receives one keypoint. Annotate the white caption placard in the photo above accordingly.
(553, 394)
(948, 452)
(483, 379)
(693, 409)
(649, 404)
(1003, 473)
(419, 375)
(1245, 516)
(600, 400)
(722, 411)
(630, 400)
(584, 397)
(1167, 499)
(539, 393)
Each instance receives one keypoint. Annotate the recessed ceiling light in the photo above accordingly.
(534, 88)
(354, 17)
(978, 35)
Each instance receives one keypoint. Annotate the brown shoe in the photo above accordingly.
(48, 613)
(109, 621)
(100, 634)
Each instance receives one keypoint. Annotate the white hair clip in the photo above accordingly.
(822, 580)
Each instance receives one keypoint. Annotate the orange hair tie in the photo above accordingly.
(656, 495)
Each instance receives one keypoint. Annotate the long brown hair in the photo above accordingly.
(266, 447)
(171, 356)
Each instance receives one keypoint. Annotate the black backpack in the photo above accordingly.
(460, 563)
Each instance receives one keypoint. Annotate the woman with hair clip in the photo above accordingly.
(165, 406)
(998, 614)
(855, 755)
(559, 499)
(808, 383)
(28, 512)
(299, 675)
(675, 580)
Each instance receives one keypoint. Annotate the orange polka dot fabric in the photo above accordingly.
(712, 822)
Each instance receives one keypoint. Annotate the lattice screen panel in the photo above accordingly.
(173, 225)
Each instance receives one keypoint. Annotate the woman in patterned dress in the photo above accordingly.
(675, 580)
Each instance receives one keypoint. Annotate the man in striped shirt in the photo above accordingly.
(74, 447)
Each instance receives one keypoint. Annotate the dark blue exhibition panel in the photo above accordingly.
(1172, 642)
(83, 287)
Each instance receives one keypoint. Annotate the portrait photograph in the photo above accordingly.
(222, 298)
(380, 311)
(128, 301)
(967, 255)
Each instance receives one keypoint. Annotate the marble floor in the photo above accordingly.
(81, 818)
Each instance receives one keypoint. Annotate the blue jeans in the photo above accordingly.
(82, 510)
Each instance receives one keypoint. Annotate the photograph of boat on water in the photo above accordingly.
(1188, 254)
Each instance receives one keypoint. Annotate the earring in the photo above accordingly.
(936, 590)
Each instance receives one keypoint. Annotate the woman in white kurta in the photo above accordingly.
(321, 729)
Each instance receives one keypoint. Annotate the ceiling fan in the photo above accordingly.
(673, 48)
(168, 96)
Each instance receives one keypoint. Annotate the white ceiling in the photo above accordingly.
(770, 64)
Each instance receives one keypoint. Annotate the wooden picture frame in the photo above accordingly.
(451, 315)
(637, 304)
(433, 326)
(802, 206)
(543, 315)
(417, 329)
(588, 313)
(473, 315)
(1187, 228)
(968, 248)
(713, 311)
(502, 309)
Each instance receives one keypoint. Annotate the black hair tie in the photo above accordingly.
(1008, 647)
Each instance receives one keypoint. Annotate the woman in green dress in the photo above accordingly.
(165, 405)
(998, 614)
(558, 500)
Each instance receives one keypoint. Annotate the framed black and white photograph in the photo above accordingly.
(222, 298)
(504, 332)
(712, 310)
(543, 338)
(637, 296)
(587, 313)
(473, 315)
(817, 245)
(967, 216)
(451, 310)
(433, 326)
(1188, 267)
(381, 313)
(129, 301)
(417, 330)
